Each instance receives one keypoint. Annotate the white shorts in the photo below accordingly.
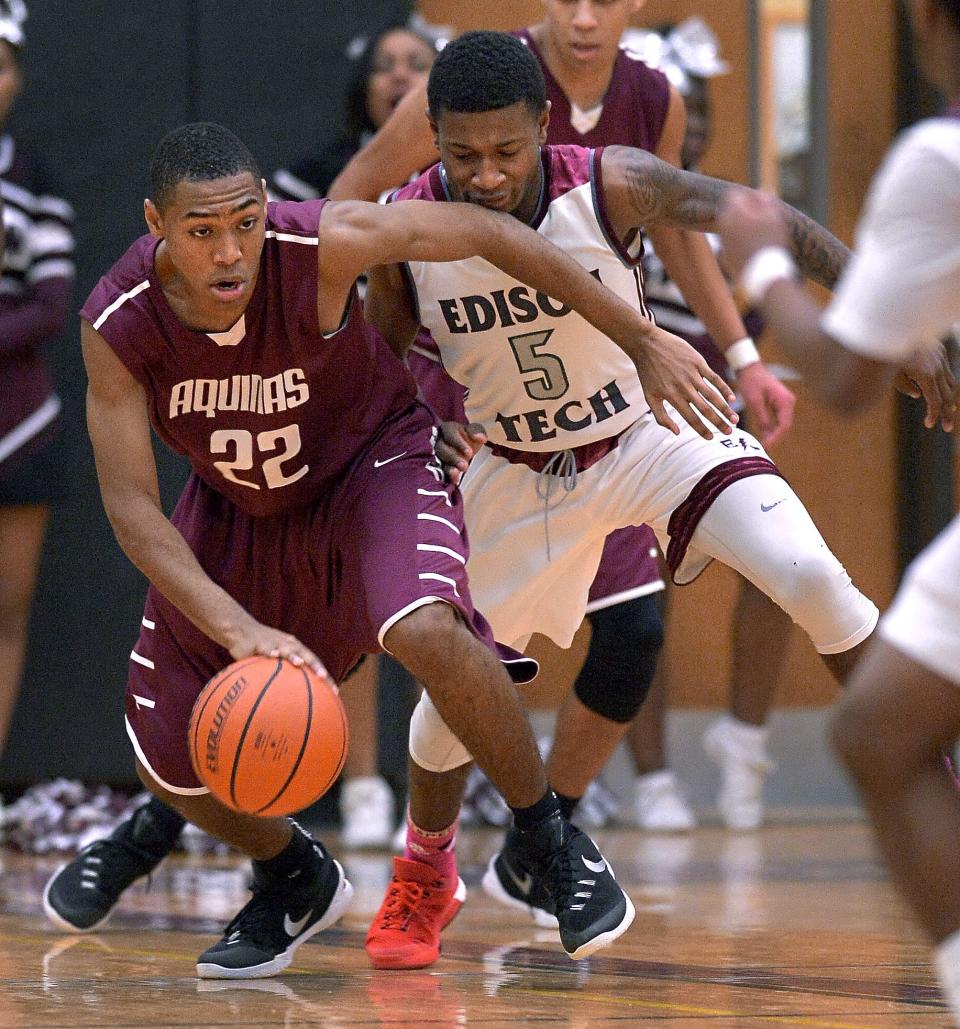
(532, 561)
(924, 620)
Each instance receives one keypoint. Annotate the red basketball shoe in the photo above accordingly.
(419, 903)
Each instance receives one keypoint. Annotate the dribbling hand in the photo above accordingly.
(261, 639)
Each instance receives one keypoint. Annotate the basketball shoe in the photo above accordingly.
(405, 932)
(659, 804)
(263, 936)
(567, 877)
(366, 812)
(80, 896)
(740, 751)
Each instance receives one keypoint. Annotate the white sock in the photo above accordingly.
(752, 739)
(947, 958)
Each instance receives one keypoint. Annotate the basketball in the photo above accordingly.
(268, 737)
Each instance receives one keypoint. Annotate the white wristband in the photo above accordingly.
(767, 266)
(740, 354)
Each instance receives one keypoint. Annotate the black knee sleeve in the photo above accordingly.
(622, 659)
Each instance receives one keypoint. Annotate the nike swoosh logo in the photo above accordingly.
(595, 866)
(770, 507)
(523, 884)
(396, 457)
(295, 928)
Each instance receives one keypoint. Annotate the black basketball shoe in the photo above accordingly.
(81, 895)
(261, 939)
(508, 880)
(565, 867)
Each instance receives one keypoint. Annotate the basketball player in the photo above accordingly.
(689, 54)
(600, 95)
(316, 525)
(571, 451)
(899, 294)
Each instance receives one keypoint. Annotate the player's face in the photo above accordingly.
(586, 33)
(697, 137)
(10, 79)
(212, 233)
(492, 158)
(402, 61)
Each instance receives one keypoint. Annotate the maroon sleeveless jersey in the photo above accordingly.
(270, 412)
(634, 107)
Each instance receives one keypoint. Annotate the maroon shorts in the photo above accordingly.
(629, 567)
(336, 574)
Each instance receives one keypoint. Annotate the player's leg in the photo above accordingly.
(366, 801)
(22, 531)
(737, 741)
(891, 728)
(614, 684)
(760, 528)
(469, 698)
(609, 691)
(900, 714)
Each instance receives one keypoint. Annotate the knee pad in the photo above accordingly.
(432, 745)
(818, 594)
(622, 658)
(779, 549)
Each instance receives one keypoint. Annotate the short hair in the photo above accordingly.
(197, 152)
(485, 71)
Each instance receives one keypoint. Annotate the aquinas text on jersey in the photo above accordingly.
(257, 394)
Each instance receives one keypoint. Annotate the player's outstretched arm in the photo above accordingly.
(402, 147)
(840, 377)
(119, 429)
(355, 236)
(644, 192)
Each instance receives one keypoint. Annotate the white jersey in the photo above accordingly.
(901, 289)
(540, 377)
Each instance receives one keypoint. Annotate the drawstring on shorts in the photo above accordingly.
(560, 469)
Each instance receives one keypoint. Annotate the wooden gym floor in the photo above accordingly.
(792, 925)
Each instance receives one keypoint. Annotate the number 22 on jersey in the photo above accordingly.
(240, 445)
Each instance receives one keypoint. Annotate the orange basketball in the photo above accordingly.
(267, 737)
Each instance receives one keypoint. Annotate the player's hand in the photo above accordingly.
(672, 372)
(748, 222)
(930, 376)
(254, 638)
(769, 404)
(456, 444)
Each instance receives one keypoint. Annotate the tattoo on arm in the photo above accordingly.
(661, 194)
(819, 254)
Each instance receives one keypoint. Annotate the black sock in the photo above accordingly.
(567, 805)
(297, 856)
(155, 827)
(525, 818)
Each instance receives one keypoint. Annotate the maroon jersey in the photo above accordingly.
(270, 412)
(634, 107)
